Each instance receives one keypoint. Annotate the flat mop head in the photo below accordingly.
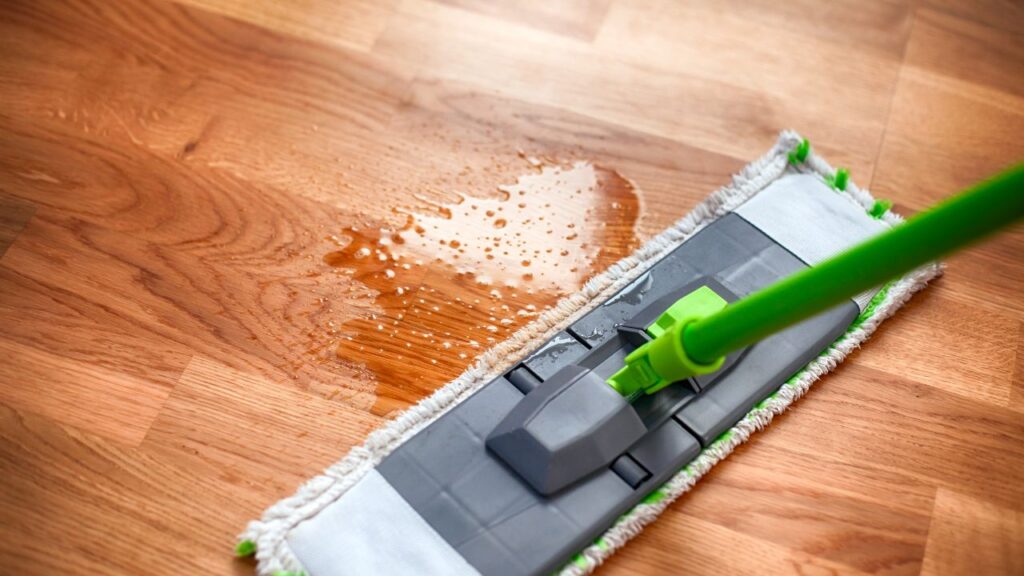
(480, 479)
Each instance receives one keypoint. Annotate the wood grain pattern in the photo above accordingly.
(353, 24)
(967, 535)
(177, 178)
(1017, 392)
(14, 214)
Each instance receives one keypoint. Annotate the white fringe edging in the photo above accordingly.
(269, 532)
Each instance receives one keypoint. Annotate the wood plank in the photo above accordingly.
(352, 24)
(969, 535)
(960, 49)
(1017, 394)
(881, 419)
(254, 431)
(678, 542)
(75, 504)
(94, 399)
(847, 527)
(578, 19)
(14, 215)
(1017, 391)
(1004, 15)
(965, 349)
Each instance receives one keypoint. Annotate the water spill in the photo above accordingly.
(454, 277)
(556, 347)
(634, 293)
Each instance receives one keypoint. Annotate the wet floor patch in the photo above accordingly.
(454, 278)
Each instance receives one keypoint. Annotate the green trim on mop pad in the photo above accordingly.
(291, 521)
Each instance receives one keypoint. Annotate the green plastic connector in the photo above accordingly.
(245, 548)
(879, 208)
(800, 153)
(664, 360)
(839, 180)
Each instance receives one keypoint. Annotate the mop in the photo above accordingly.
(560, 444)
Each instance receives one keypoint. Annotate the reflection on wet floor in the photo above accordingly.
(455, 278)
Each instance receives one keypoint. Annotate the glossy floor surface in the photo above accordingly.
(238, 235)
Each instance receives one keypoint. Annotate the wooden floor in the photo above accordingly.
(237, 235)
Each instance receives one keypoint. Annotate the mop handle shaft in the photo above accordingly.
(943, 228)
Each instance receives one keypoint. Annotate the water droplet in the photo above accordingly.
(500, 223)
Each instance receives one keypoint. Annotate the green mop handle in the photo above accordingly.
(947, 226)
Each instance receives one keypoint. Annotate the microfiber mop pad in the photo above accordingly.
(360, 516)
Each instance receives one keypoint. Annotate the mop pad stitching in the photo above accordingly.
(269, 533)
